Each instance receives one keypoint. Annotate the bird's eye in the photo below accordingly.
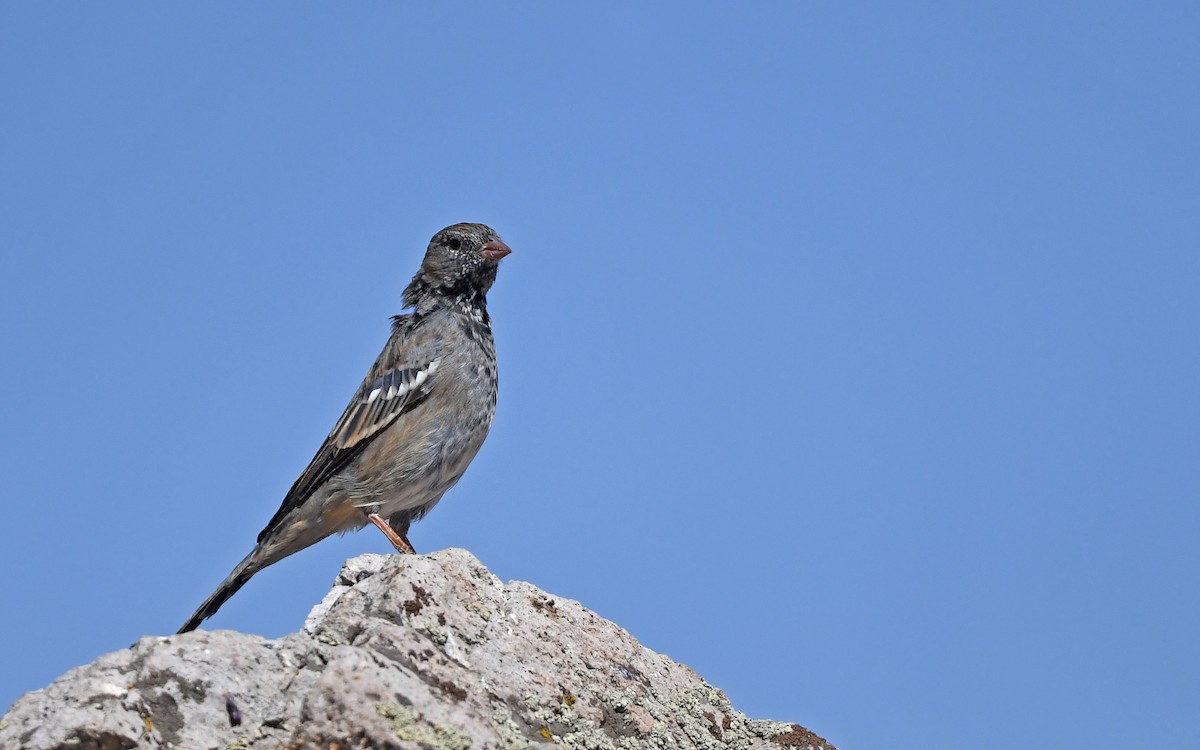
(454, 243)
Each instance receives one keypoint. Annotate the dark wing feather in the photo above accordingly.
(401, 377)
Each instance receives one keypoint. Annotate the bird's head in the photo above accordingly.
(461, 261)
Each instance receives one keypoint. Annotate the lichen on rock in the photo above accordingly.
(428, 651)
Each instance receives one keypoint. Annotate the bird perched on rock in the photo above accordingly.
(415, 423)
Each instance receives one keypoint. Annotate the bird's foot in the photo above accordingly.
(399, 541)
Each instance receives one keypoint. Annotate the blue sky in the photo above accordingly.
(848, 352)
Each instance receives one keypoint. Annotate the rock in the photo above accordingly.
(412, 651)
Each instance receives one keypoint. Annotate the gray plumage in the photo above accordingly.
(419, 417)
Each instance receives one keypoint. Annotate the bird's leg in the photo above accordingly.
(398, 541)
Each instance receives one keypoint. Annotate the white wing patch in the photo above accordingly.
(383, 402)
(409, 380)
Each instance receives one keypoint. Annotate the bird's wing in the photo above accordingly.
(402, 376)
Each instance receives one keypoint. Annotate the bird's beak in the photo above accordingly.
(495, 250)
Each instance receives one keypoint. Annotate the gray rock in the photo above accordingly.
(412, 651)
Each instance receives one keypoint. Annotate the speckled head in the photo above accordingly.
(461, 261)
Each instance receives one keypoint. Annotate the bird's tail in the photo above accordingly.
(244, 571)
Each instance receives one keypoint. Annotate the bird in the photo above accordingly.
(413, 426)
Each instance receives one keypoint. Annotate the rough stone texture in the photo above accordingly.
(413, 651)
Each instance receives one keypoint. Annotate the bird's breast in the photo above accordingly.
(427, 450)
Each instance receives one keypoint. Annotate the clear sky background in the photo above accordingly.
(848, 353)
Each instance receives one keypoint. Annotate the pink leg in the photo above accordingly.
(398, 541)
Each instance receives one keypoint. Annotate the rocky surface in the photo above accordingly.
(414, 651)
